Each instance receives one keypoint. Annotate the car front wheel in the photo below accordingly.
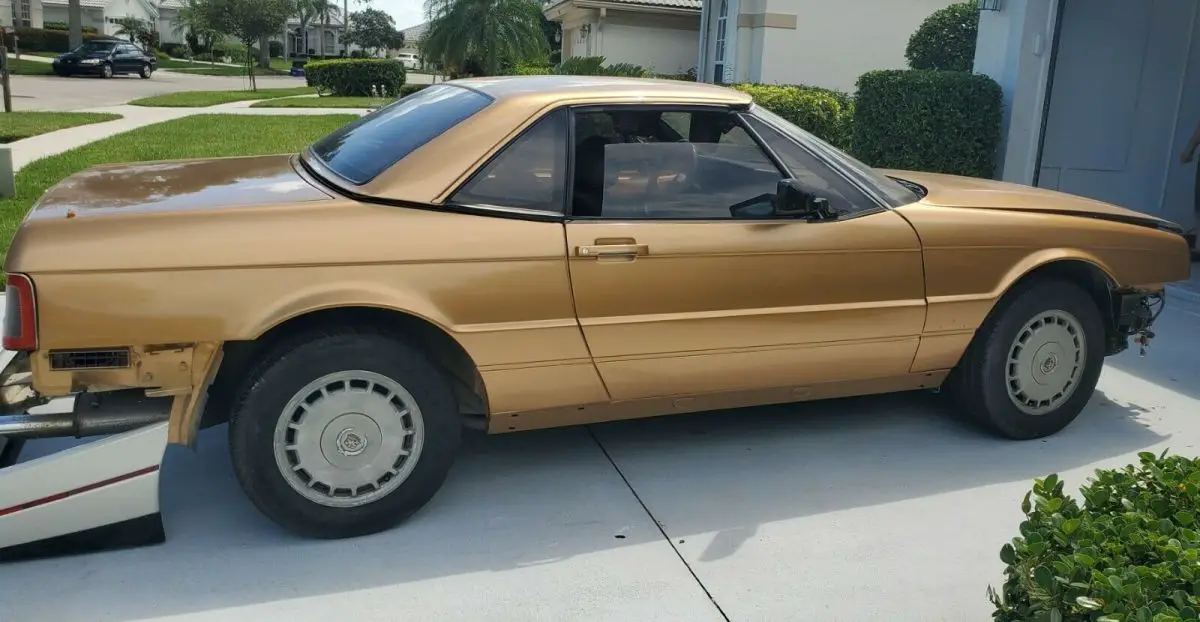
(1034, 364)
(344, 434)
(106, 71)
(145, 72)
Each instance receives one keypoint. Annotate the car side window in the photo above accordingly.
(528, 173)
(127, 50)
(667, 164)
(814, 176)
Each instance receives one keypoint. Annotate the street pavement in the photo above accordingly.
(881, 508)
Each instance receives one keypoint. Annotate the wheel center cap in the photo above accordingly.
(350, 442)
(1049, 364)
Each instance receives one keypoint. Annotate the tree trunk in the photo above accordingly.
(75, 21)
(250, 65)
(322, 35)
(264, 52)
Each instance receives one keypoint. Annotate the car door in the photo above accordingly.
(678, 296)
(126, 59)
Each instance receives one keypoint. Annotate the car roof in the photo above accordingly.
(428, 174)
(564, 88)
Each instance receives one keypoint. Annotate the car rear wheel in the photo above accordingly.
(106, 71)
(145, 71)
(344, 434)
(1033, 366)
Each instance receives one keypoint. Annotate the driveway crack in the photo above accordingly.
(657, 524)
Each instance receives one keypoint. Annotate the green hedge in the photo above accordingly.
(356, 77)
(826, 113)
(1129, 553)
(45, 40)
(937, 121)
(409, 89)
(946, 39)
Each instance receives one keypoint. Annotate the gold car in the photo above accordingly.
(531, 252)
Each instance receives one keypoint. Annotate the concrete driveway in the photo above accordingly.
(865, 509)
(79, 92)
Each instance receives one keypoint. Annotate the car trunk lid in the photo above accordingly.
(173, 186)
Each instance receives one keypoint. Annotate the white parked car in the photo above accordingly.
(409, 60)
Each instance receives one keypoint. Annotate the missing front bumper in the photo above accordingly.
(1134, 314)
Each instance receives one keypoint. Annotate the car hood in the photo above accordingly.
(971, 192)
(180, 185)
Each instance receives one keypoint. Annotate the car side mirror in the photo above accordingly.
(791, 199)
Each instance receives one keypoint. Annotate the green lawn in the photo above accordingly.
(323, 102)
(15, 126)
(201, 136)
(202, 99)
(29, 67)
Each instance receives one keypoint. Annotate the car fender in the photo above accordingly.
(1044, 257)
(345, 294)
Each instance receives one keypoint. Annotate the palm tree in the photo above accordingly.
(191, 19)
(324, 10)
(305, 12)
(487, 33)
(132, 27)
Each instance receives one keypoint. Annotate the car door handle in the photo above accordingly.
(612, 250)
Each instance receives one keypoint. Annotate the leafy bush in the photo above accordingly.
(409, 89)
(627, 70)
(45, 40)
(824, 112)
(1130, 553)
(936, 121)
(275, 48)
(581, 66)
(356, 77)
(532, 70)
(176, 50)
(66, 26)
(946, 39)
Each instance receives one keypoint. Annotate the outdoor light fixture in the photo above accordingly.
(990, 5)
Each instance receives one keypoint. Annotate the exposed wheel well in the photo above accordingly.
(1095, 282)
(450, 357)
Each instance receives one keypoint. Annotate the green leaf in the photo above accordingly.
(1043, 577)
(1185, 518)
(1085, 559)
(1054, 504)
(1050, 482)
(1070, 525)
(1025, 505)
(1008, 555)
(1115, 581)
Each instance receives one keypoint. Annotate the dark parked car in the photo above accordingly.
(106, 58)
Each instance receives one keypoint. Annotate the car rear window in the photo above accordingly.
(362, 149)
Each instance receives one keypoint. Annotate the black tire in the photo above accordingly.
(10, 450)
(284, 372)
(106, 71)
(62, 73)
(145, 72)
(980, 385)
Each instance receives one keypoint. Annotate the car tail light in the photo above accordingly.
(20, 314)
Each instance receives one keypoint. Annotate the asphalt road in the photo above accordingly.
(882, 508)
(79, 92)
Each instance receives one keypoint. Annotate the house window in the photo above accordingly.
(20, 13)
(719, 56)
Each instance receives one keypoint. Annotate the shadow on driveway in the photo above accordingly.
(546, 498)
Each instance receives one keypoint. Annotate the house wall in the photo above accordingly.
(660, 43)
(92, 18)
(816, 42)
(118, 9)
(166, 27)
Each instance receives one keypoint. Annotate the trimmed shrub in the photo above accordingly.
(67, 27)
(824, 112)
(356, 77)
(409, 89)
(275, 48)
(935, 121)
(176, 50)
(46, 40)
(532, 70)
(946, 39)
(1129, 553)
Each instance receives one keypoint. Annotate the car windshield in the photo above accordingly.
(96, 47)
(893, 191)
(361, 150)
